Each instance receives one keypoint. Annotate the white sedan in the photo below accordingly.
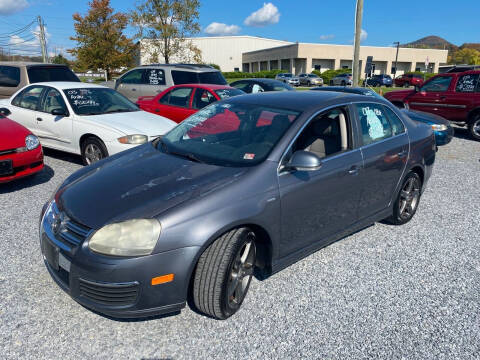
(86, 119)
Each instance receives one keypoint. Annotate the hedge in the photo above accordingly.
(259, 74)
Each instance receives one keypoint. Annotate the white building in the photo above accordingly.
(225, 51)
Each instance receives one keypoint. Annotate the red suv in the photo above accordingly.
(455, 96)
(407, 80)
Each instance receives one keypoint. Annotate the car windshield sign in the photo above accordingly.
(229, 134)
(98, 101)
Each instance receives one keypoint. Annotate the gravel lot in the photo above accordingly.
(409, 292)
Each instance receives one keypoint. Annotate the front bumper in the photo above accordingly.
(118, 287)
(24, 164)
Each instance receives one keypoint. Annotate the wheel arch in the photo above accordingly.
(85, 137)
(472, 113)
(419, 171)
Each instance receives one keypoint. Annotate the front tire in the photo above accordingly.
(223, 274)
(474, 127)
(407, 201)
(93, 149)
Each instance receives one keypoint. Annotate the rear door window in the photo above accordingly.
(50, 73)
(184, 77)
(177, 97)
(133, 77)
(374, 123)
(439, 84)
(202, 98)
(467, 83)
(397, 124)
(154, 77)
(9, 76)
(29, 98)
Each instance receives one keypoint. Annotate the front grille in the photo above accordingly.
(70, 233)
(8, 151)
(109, 294)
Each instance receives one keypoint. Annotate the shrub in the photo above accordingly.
(259, 74)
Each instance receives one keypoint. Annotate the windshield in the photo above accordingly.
(97, 101)
(229, 134)
(226, 93)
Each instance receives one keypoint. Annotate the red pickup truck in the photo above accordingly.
(455, 96)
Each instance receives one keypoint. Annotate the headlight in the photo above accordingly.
(31, 142)
(439, 127)
(128, 238)
(133, 139)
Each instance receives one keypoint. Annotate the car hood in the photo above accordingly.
(425, 117)
(398, 94)
(135, 122)
(12, 134)
(141, 183)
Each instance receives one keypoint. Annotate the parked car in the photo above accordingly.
(15, 75)
(342, 79)
(198, 215)
(310, 79)
(149, 80)
(441, 127)
(408, 80)
(379, 80)
(288, 78)
(86, 119)
(260, 85)
(20, 151)
(454, 96)
(180, 101)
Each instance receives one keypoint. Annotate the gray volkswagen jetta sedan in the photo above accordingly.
(247, 185)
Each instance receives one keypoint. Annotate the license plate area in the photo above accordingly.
(6, 167)
(50, 253)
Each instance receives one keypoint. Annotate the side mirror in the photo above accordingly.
(304, 161)
(59, 112)
(4, 112)
(417, 88)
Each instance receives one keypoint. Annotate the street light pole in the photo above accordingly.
(356, 45)
(396, 59)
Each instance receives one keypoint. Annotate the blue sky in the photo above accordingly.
(318, 21)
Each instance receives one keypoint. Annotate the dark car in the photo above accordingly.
(197, 211)
(454, 96)
(252, 86)
(379, 80)
(441, 127)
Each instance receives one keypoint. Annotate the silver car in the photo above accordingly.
(342, 79)
(149, 80)
(310, 79)
(288, 78)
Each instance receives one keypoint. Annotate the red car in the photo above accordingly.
(407, 80)
(180, 101)
(454, 96)
(20, 151)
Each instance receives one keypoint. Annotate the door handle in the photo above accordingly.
(134, 89)
(39, 119)
(157, 110)
(402, 153)
(353, 170)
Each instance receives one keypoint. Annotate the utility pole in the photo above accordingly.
(396, 59)
(356, 43)
(43, 42)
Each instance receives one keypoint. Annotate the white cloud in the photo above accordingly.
(8, 7)
(264, 16)
(327, 37)
(216, 28)
(18, 42)
(363, 35)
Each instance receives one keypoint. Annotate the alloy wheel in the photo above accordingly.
(476, 127)
(409, 197)
(93, 153)
(241, 273)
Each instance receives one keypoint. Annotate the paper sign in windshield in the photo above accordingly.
(375, 127)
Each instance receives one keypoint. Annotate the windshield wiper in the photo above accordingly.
(118, 111)
(187, 156)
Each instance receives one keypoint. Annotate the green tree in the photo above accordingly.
(466, 56)
(100, 38)
(60, 59)
(166, 24)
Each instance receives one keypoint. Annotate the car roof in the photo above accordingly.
(69, 85)
(344, 89)
(206, 86)
(189, 67)
(297, 100)
(28, 63)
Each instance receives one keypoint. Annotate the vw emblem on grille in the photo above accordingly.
(57, 222)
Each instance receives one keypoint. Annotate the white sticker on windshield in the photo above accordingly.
(375, 127)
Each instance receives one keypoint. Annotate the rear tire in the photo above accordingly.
(223, 274)
(407, 201)
(93, 149)
(474, 127)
